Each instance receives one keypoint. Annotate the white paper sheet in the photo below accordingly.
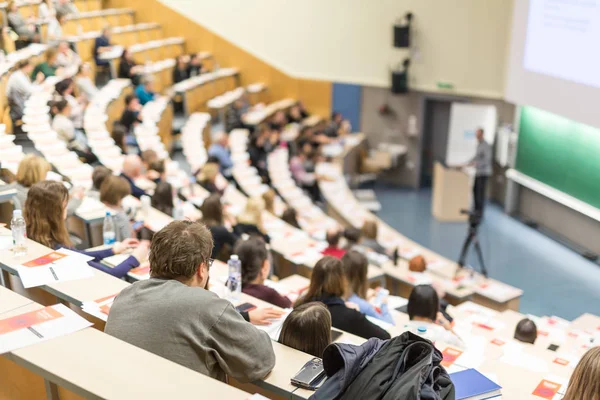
(69, 268)
(29, 334)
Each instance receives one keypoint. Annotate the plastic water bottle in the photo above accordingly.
(234, 282)
(19, 233)
(178, 211)
(108, 230)
(424, 333)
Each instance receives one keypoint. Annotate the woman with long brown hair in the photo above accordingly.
(356, 266)
(329, 285)
(307, 328)
(45, 215)
(585, 381)
(212, 217)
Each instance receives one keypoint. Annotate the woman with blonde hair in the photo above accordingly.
(369, 237)
(250, 221)
(269, 199)
(207, 177)
(33, 169)
(45, 214)
(585, 381)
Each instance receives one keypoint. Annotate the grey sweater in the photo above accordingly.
(192, 327)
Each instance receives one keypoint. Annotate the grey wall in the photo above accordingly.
(393, 128)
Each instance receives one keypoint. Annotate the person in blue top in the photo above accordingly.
(45, 218)
(220, 150)
(144, 91)
(355, 267)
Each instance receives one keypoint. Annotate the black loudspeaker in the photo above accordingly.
(402, 36)
(399, 82)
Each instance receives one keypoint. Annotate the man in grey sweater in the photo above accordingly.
(174, 316)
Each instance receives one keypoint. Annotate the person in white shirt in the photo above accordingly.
(66, 131)
(18, 89)
(65, 56)
(65, 89)
(84, 81)
(46, 10)
(424, 312)
(55, 32)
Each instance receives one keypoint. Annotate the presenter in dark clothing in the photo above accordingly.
(483, 170)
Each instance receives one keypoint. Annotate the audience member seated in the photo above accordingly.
(112, 192)
(162, 199)
(46, 9)
(584, 383)
(334, 126)
(65, 89)
(102, 45)
(157, 171)
(256, 267)
(333, 237)
(131, 115)
(99, 174)
(26, 30)
(174, 315)
(208, 176)
(54, 32)
(269, 199)
(307, 329)
(144, 91)
(32, 169)
(249, 222)
(64, 127)
(290, 216)
(300, 171)
(220, 150)
(66, 7)
(181, 71)
(49, 66)
(526, 331)
(128, 68)
(45, 214)
(278, 122)
(424, 312)
(195, 67)
(328, 284)
(233, 116)
(66, 57)
(356, 266)
(295, 115)
(132, 170)
(85, 83)
(18, 90)
(417, 264)
(369, 237)
(352, 236)
(213, 217)
(119, 135)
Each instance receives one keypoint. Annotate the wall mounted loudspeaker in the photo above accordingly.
(400, 78)
(402, 32)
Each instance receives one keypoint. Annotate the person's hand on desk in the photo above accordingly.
(441, 320)
(129, 243)
(141, 252)
(263, 316)
(78, 193)
(39, 78)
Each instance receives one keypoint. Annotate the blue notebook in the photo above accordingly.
(470, 384)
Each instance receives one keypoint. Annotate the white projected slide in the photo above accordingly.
(563, 38)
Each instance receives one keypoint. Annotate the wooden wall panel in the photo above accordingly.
(316, 95)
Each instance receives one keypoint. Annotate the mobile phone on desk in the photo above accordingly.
(553, 347)
(310, 375)
(245, 307)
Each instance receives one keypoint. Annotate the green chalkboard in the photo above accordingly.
(561, 153)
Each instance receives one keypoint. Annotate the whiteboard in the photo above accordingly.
(465, 118)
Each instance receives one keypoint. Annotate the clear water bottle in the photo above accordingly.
(19, 233)
(234, 282)
(178, 211)
(108, 230)
(424, 333)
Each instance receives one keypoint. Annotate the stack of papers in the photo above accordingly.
(38, 326)
(99, 308)
(60, 265)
